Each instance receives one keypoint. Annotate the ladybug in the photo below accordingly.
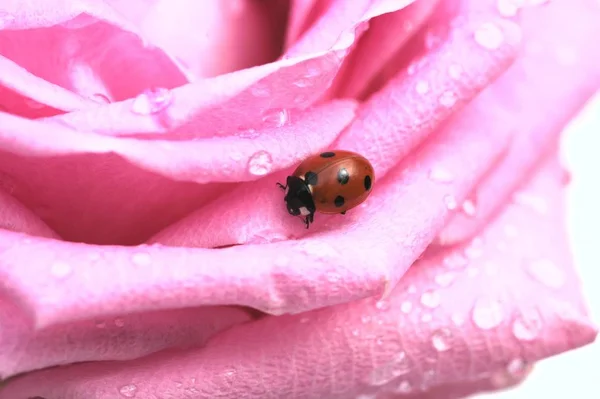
(330, 182)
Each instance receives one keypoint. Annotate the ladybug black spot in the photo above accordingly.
(328, 154)
(343, 176)
(367, 182)
(339, 201)
(311, 178)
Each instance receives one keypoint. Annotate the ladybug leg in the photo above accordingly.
(309, 219)
(281, 186)
(343, 213)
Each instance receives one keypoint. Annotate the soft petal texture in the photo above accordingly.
(15, 217)
(25, 347)
(539, 100)
(462, 315)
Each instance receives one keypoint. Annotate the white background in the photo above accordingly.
(576, 374)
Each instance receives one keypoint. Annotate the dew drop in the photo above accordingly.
(527, 326)
(455, 260)
(355, 332)
(508, 8)
(475, 248)
(119, 322)
(260, 163)
(403, 387)
(304, 320)
(302, 83)
(382, 305)
(100, 98)
(406, 307)
(487, 313)
(128, 391)
(422, 87)
(426, 318)
(458, 319)
(445, 279)
(61, 269)
(546, 272)
(455, 71)
(430, 299)
(489, 36)
(432, 40)
(276, 117)
(468, 208)
(448, 99)
(396, 367)
(450, 202)
(365, 319)
(152, 101)
(516, 367)
(441, 175)
(141, 258)
(440, 339)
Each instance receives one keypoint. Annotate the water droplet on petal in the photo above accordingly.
(445, 279)
(61, 269)
(516, 367)
(382, 305)
(535, 203)
(406, 307)
(487, 313)
(527, 325)
(441, 339)
(365, 319)
(397, 366)
(260, 163)
(100, 98)
(432, 40)
(301, 83)
(355, 332)
(141, 258)
(431, 299)
(128, 391)
(403, 387)
(455, 260)
(422, 87)
(426, 318)
(458, 319)
(119, 322)
(249, 134)
(455, 71)
(441, 175)
(468, 208)
(508, 8)
(546, 272)
(489, 36)
(152, 101)
(276, 117)
(448, 99)
(450, 202)
(475, 248)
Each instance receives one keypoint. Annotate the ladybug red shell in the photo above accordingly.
(330, 182)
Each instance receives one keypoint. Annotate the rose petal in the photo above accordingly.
(25, 348)
(15, 217)
(397, 119)
(505, 310)
(540, 93)
(68, 55)
(290, 276)
(301, 16)
(385, 36)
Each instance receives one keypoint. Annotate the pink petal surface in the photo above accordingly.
(498, 303)
(540, 100)
(300, 15)
(15, 217)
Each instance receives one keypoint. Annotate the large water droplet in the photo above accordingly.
(468, 207)
(455, 71)
(276, 117)
(441, 339)
(430, 299)
(397, 366)
(406, 307)
(489, 36)
(61, 269)
(422, 87)
(487, 313)
(546, 272)
(448, 99)
(152, 101)
(260, 163)
(528, 325)
(445, 279)
(141, 258)
(450, 202)
(128, 391)
(441, 175)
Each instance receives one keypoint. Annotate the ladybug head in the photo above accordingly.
(298, 198)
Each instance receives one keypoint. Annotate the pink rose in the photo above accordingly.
(146, 248)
